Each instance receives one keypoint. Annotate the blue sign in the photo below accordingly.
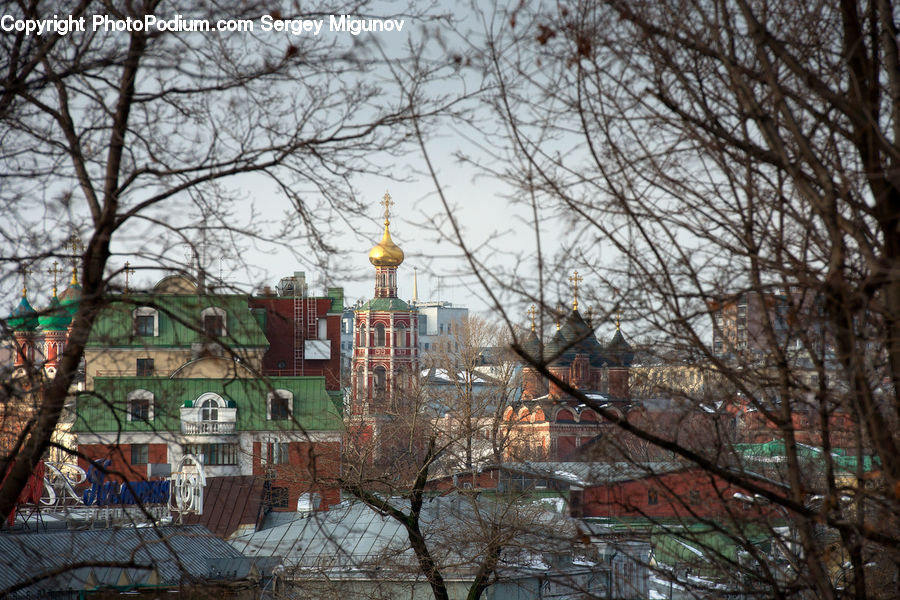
(110, 493)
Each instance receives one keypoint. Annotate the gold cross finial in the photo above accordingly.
(75, 243)
(575, 279)
(24, 271)
(387, 203)
(54, 270)
(531, 313)
(128, 271)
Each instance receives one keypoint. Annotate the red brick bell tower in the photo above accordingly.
(385, 349)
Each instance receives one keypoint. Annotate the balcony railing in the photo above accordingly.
(192, 424)
(207, 427)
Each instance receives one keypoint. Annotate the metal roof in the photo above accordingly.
(587, 474)
(169, 555)
(313, 408)
(354, 540)
(179, 322)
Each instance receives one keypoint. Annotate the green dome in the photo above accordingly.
(24, 317)
(57, 317)
(70, 299)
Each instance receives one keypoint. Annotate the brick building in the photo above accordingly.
(179, 371)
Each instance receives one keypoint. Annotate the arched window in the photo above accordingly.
(565, 416)
(361, 340)
(146, 321)
(140, 405)
(400, 340)
(380, 384)
(209, 410)
(360, 384)
(279, 405)
(213, 319)
(209, 405)
(379, 335)
(401, 380)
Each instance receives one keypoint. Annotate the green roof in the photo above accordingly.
(70, 298)
(105, 409)
(179, 322)
(24, 317)
(57, 318)
(384, 304)
(774, 450)
(337, 299)
(679, 540)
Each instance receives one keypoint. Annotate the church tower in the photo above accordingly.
(385, 344)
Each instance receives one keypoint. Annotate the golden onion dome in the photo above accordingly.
(386, 253)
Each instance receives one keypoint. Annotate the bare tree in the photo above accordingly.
(463, 539)
(706, 157)
(131, 139)
(472, 378)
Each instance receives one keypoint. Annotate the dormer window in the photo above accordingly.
(145, 322)
(209, 410)
(213, 321)
(209, 414)
(140, 405)
(279, 405)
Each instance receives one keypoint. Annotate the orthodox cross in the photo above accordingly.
(575, 279)
(387, 203)
(531, 313)
(75, 242)
(128, 271)
(55, 271)
(24, 271)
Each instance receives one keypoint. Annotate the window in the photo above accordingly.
(379, 334)
(144, 367)
(279, 405)
(139, 410)
(213, 325)
(694, 497)
(652, 497)
(140, 454)
(360, 384)
(146, 321)
(380, 384)
(213, 454)
(213, 321)
(400, 340)
(278, 497)
(140, 405)
(143, 325)
(209, 410)
(277, 453)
